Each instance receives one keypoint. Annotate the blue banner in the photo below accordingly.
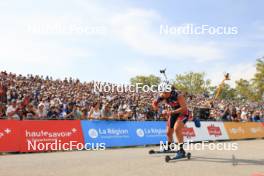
(123, 133)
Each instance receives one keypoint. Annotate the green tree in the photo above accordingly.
(258, 80)
(228, 93)
(193, 83)
(253, 90)
(244, 89)
(146, 80)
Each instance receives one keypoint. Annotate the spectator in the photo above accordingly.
(71, 99)
(71, 111)
(3, 95)
(106, 111)
(244, 115)
(31, 112)
(85, 113)
(95, 112)
(256, 116)
(226, 114)
(234, 115)
(2, 111)
(12, 110)
(41, 111)
(53, 112)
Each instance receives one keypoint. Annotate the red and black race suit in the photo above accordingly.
(172, 101)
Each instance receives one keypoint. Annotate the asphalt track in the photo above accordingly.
(249, 160)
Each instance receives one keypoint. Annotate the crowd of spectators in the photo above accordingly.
(38, 97)
(227, 110)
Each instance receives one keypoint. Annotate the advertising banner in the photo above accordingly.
(244, 130)
(123, 133)
(40, 135)
(9, 135)
(215, 131)
(193, 134)
(37, 135)
(209, 131)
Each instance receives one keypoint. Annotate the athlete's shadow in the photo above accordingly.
(232, 160)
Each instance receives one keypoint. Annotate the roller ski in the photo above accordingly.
(161, 151)
(179, 155)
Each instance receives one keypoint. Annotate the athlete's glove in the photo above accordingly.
(197, 122)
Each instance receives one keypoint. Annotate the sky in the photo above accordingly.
(114, 40)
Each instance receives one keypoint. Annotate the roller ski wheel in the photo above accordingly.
(188, 155)
(151, 152)
(167, 159)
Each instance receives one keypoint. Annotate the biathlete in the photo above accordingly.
(177, 116)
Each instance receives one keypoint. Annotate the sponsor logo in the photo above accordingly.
(5, 131)
(93, 133)
(49, 134)
(151, 132)
(237, 130)
(140, 132)
(188, 132)
(108, 133)
(255, 130)
(214, 131)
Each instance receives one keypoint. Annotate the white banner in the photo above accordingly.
(209, 131)
(215, 131)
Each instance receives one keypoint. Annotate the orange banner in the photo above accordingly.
(244, 130)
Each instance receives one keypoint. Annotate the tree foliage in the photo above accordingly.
(146, 80)
(253, 90)
(244, 89)
(193, 83)
(258, 80)
(196, 83)
(228, 93)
